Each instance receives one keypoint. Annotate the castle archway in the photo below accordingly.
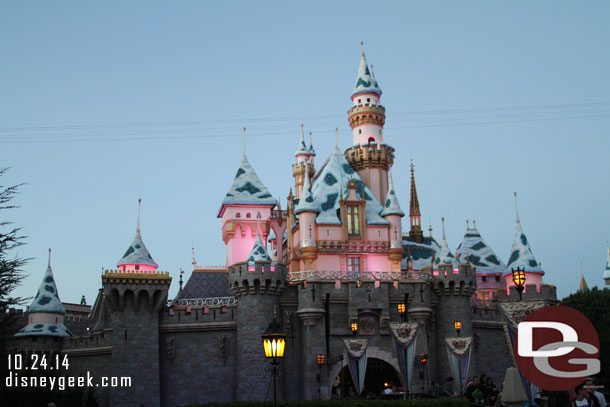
(382, 367)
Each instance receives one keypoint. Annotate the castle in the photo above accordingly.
(381, 304)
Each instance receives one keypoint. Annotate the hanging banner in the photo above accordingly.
(513, 313)
(459, 351)
(404, 336)
(356, 357)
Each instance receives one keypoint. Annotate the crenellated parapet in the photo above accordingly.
(460, 281)
(369, 156)
(136, 290)
(367, 113)
(257, 278)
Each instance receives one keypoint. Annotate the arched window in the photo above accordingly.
(371, 140)
(238, 215)
(248, 215)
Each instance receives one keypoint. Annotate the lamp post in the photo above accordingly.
(320, 361)
(519, 280)
(354, 327)
(423, 359)
(458, 327)
(402, 308)
(274, 344)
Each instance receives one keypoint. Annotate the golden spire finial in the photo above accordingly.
(194, 262)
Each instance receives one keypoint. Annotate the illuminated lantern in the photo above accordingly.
(519, 280)
(354, 327)
(320, 360)
(458, 326)
(274, 341)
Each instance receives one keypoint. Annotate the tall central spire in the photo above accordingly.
(414, 212)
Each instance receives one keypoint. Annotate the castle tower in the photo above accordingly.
(46, 314)
(415, 231)
(453, 284)
(257, 282)
(304, 158)
(606, 275)
(135, 294)
(583, 286)
(522, 257)
(393, 214)
(369, 156)
(247, 201)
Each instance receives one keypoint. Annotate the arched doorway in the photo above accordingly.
(379, 375)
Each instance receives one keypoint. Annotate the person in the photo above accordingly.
(589, 383)
(448, 387)
(388, 390)
(491, 392)
(582, 397)
(436, 389)
(473, 391)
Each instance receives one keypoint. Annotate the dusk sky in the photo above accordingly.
(105, 103)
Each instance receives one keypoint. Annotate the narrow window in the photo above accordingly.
(248, 215)
(353, 221)
(484, 278)
(371, 140)
(359, 131)
(238, 215)
(353, 263)
(137, 267)
(497, 279)
(359, 101)
(368, 100)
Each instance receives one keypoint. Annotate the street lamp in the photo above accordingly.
(402, 308)
(274, 344)
(354, 326)
(423, 359)
(458, 326)
(320, 361)
(519, 280)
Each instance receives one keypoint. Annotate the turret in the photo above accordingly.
(304, 158)
(445, 262)
(46, 312)
(393, 214)
(247, 201)
(521, 256)
(307, 209)
(137, 257)
(369, 156)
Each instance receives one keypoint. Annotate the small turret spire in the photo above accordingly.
(337, 140)
(430, 225)
(443, 226)
(414, 212)
(517, 208)
(467, 224)
(362, 47)
(245, 158)
(139, 207)
(49, 264)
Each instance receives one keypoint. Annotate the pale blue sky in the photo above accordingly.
(101, 104)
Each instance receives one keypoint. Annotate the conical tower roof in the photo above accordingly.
(521, 254)
(391, 207)
(307, 203)
(47, 297)
(444, 255)
(475, 250)
(302, 149)
(365, 83)
(247, 188)
(137, 253)
(606, 275)
(583, 284)
(258, 252)
(311, 149)
(46, 302)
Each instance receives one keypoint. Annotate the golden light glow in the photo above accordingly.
(519, 277)
(457, 325)
(354, 326)
(401, 308)
(320, 360)
(423, 360)
(274, 347)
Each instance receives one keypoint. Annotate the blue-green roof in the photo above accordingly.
(365, 83)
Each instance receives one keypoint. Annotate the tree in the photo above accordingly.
(595, 304)
(11, 272)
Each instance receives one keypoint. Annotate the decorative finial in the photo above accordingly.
(310, 139)
(467, 225)
(181, 281)
(302, 132)
(430, 224)
(139, 206)
(372, 72)
(244, 143)
(337, 140)
(474, 224)
(443, 223)
(517, 208)
(49, 264)
(362, 46)
(194, 262)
